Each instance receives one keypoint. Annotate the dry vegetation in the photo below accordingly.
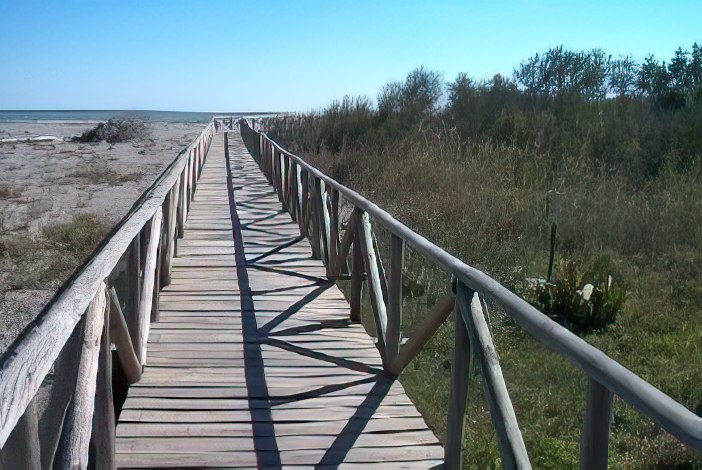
(95, 174)
(487, 175)
(48, 259)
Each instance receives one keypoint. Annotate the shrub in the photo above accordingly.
(80, 236)
(583, 303)
(115, 130)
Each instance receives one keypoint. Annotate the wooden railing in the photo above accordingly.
(66, 350)
(349, 250)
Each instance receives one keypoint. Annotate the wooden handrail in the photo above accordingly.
(25, 364)
(601, 369)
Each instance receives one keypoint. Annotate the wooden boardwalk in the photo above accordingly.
(254, 362)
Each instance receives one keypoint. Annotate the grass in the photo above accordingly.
(8, 191)
(47, 260)
(486, 203)
(95, 174)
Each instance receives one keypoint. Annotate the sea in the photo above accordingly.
(103, 115)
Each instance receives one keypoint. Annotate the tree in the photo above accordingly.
(653, 77)
(622, 76)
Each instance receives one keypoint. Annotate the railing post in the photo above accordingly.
(147, 287)
(134, 293)
(313, 207)
(458, 393)
(325, 225)
(304, 202)
(374, 289)
(394, 331)
(356, 271)
(504, 419)
(598, 416)
(22, 448)
(77, 427)
(103, 438)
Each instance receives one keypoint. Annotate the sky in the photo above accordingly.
(228, 55)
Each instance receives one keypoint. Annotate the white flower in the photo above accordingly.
(587, 291)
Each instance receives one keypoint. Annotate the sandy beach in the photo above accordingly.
(48, 182)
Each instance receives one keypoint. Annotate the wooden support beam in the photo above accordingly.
(458, 394)
(75, 436)
(119, 335)
(345, 244)
(424, 333)
(393, 335)
(64, 381)
(167, 245)
(381, 270)
(314, 215)
(512, 448)
(357, 270)
(325, 224)
(594, 445)
(334, 260)
(175, 191)
(180, 184)
(104, 424)
(304, 203)
(147, 287)
(376, 295)
(133, 300)
(300, 211)
(22, 449)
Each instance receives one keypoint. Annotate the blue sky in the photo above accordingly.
(295, 56)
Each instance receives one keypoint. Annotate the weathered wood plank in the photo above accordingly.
(512, 448)
(261, 362)
(76, 432)
(146, 298)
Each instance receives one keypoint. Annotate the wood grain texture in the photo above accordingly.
(259, 365)
(77, 427)
(509, 436)
(102, 441)
(147, 288)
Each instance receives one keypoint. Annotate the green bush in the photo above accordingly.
(584, 303)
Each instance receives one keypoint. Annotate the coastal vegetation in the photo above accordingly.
(115, 130)
(46, 260)
(579, 170)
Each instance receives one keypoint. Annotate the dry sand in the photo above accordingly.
(49, 182)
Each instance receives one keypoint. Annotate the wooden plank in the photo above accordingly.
(393, 335)
(306, 389)
(103, 432)
(377, 303)
(594, 452)
(119, 335)
(146, 298)
(22, 449)
(512, 448)
(460, 376)
(76, 432)
(424, 332)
